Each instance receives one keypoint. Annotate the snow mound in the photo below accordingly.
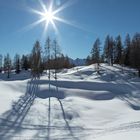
(80, 105)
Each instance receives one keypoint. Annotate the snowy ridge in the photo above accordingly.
(87, 105)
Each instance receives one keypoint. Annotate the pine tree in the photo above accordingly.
(7, 65)
(36, 60)
(109, 50)
(135, 52)
(95, 52)
(56, 54)
(127, 50)
(88, 60)
(17, 63)
(118, 50)
(48, 56)
(25, 62)
(66, 62)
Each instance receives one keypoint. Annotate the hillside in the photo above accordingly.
(87, 105)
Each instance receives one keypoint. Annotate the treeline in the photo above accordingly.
(116, 51)
(40, 59)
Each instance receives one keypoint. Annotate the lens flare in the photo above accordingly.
(48, 15)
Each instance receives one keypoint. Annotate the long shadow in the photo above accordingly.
(49, 121)
(58, 96)
(15, 77)
(44, 94)
(114, 90)
(18, 112)
(67, 123)
(133, 102)
(86, 85)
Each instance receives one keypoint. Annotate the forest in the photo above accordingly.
(114, 51)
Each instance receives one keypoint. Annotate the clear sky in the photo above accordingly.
(92, 18)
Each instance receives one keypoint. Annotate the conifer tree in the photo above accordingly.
(17, 63)
(56, 55)
(26, 62)
(7, 65)
(48, 56)
(88, 60)
(127, 49)
(36, 60)
(109, 50)
(135, 52)
(95, 52)
(118, 50)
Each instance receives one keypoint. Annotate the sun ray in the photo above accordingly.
(75, 25)
(50, 9)
(37, 22)
(46, 26)
(36, 12)
(32, 25)
(54, 26)
(43, 5)
(49, 16)
(65, 22)
(45, 29)
(64, 6)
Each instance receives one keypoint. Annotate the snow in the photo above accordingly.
(87, 105)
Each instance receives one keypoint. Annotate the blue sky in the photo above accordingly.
(93, 18)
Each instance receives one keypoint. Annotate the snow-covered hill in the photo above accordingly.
(87, 106)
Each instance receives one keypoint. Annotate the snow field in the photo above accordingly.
(87, 106)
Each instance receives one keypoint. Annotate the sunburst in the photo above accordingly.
(50, 16)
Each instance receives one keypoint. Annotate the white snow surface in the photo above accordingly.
(86, 106)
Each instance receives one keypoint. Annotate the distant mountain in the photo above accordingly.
(78, 61)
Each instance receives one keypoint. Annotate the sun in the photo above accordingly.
(49, 15)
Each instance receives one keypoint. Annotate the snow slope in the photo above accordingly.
(87, 105)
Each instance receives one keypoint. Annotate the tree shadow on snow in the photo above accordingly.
(65, 117)
(53, 93)
(131, 100)
(83, 89)
(49, 127)
(23, 75)
(98, 91)
(14, 117)
(44, 94)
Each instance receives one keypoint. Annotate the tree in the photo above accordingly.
(56, 54)
(127, 50)
(109, 50)
(47, 56)
(26, 62)
(66, 62)
(17, 63)
(95, 52)
(135, 52)
(7, 65)
(36, 59)
(118, 50)
(88, 60)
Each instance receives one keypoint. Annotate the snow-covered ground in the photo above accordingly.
(87, 106)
